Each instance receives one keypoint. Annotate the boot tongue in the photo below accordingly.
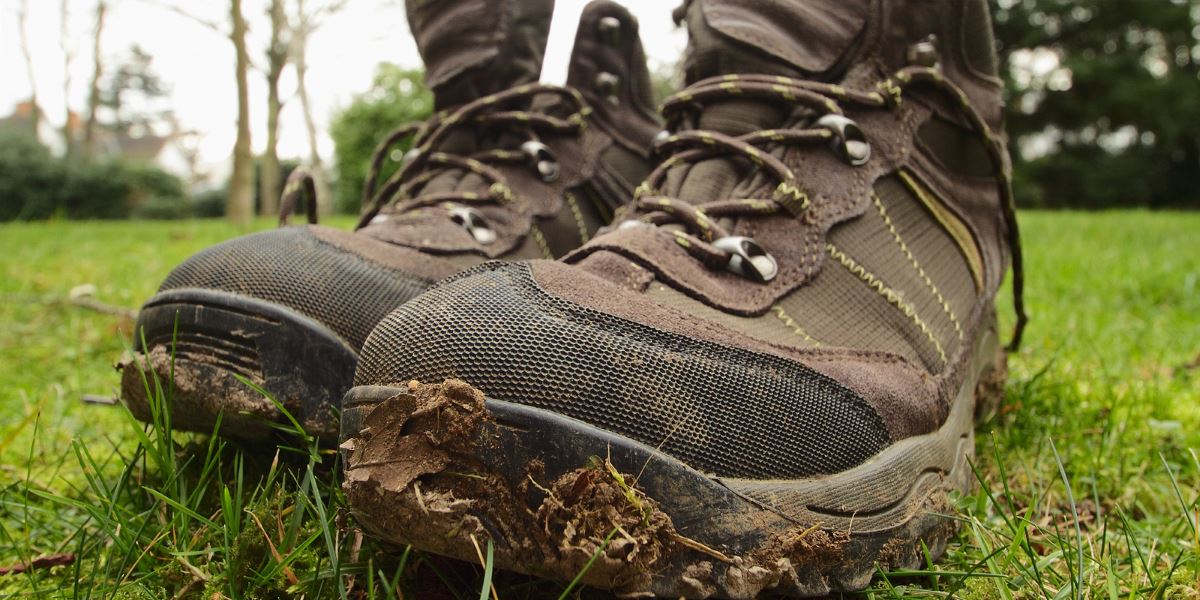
(806, 40)
(717, 178)
(472, 48)
(813, 39)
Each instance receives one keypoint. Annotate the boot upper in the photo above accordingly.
(807, 277)
(474, 186)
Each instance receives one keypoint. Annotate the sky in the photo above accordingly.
(196, 62)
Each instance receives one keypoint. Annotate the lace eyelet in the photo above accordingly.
(925, 53)
(748, 259)
(848, 141)
(471, 220)
(607, 85)
(541, 159)
(410, 156)
(609, 30)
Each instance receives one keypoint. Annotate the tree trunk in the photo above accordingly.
(300, 34)
(277, 56)
(35, 112)
(89, 128)
(240, 204)
(68, 50)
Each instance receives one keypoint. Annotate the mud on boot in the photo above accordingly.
(504, 168)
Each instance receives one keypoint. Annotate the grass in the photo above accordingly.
(1090, 475)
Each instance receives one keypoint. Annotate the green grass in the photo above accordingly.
(1090, 474)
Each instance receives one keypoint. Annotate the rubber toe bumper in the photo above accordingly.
(441, 468)
(200, 344)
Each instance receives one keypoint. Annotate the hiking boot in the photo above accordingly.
(505, 168)
(765, 376)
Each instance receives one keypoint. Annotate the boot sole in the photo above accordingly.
(548, 490)
(199, 342)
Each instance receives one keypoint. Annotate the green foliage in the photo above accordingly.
(134, 95)
(396, 97)
(1118, 116)
(1104, 390)
(29, 177)
(35, 185)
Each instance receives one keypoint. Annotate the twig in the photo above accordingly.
(102, 399)
(42, 562)
(700, 547)
(100, 307)
(287, 571)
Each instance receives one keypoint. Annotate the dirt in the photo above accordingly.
(414, 476)
(199, 393)
(412, 468)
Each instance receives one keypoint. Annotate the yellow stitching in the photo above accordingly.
(578, 214)
(681, 239)
(795, 327)
(892, 296)
(541, 241)
(954, 226)
(501, 192)
(702, 221)
(916, 265)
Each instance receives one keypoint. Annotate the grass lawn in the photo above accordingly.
(1090, 473)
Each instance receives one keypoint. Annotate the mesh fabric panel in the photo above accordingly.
(291, 267)
(719, 409)
(837, 309)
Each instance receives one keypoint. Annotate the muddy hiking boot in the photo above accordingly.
(505, 168)
(765, 376)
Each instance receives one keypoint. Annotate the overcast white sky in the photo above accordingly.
(197, 62)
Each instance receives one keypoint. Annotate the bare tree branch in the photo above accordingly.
(211, 25)
(68, 50)
(89, 128)
(240, 204)
(23, 33)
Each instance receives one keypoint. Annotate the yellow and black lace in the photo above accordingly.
(423, 162)
(700, 232)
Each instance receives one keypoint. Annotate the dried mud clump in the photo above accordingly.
(413, 476)
(413, 434)
(593, 511)
(200, 392)
(418, 473)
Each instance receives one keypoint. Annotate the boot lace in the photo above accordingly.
(696, 226)
(400, 193)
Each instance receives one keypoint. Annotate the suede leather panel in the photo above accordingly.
(905, 396)
(617, 269)
(811, 35)
(837, 192)
(472, 48)
(388, 255)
